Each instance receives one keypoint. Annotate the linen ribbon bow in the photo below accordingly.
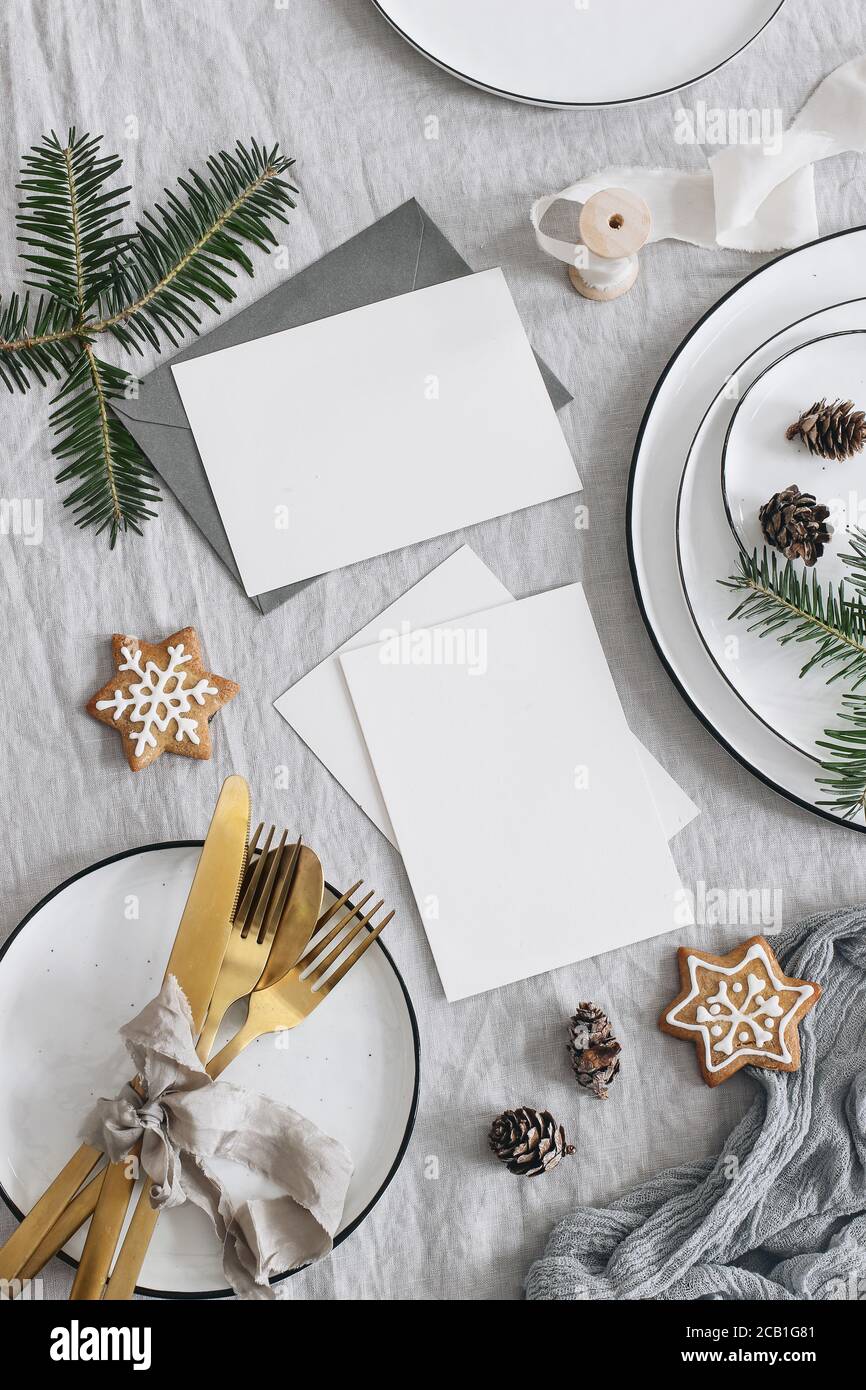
(185, 1120)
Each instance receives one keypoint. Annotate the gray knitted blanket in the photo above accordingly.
(787, 1218)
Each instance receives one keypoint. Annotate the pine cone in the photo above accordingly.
(831, 431)
(593, 1049)
(528, 1141)
(796, 524)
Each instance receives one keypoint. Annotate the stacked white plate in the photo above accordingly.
(710, 450)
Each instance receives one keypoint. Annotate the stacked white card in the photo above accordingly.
(373, 429)
(484, 736)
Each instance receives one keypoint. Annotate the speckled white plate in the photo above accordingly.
(88, 957)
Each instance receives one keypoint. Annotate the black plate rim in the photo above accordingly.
(571, 105)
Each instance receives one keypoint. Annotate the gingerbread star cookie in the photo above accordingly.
(161, 698)
(739, 1010)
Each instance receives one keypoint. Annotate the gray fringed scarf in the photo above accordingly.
(787, 1218)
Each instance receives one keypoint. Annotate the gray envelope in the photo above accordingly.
(403, 251)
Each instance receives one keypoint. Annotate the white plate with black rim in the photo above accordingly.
(764, 675)
(759, 460)
(575, 53)
(88, 957)
(823, 273)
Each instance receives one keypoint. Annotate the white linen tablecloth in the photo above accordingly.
(168, 83)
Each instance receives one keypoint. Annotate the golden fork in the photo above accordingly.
(287, 1002)
(263, 898)
(276, 1008)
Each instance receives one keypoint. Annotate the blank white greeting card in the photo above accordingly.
(440, 419)
(515, 790)
(320, 709)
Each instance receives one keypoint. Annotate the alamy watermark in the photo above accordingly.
(31, 1290)
(718, 125)
(83, 1343)
(731, 907)
(22, 516)
(441, 646)
(847, 511)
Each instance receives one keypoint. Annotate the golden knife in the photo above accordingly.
(195, 961)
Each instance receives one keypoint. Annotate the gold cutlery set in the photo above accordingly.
(252, 928)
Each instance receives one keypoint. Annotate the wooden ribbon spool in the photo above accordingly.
(614, 224)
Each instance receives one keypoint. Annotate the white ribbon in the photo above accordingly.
(184, 1119)
(750, 197)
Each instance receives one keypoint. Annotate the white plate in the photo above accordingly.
(764, 675)
(757, 459)
(578, 52)
(823, 273)
(82, 963)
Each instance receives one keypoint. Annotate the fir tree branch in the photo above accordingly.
(36, 349)
(782, 602)
(35, 340)
(66, 219)
(847, 767)
(115, 480)
(855, 559)
(186, 252)
(139, 287)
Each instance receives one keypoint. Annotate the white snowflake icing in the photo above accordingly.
(730, 1026)
(754, 1012)
(153, 705)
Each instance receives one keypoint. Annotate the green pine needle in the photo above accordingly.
(43, 348)
(66, 217)
(788, 603)
(855, 559)
(188, 250)
(847, 767)
(141, 287)
(115, 480)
